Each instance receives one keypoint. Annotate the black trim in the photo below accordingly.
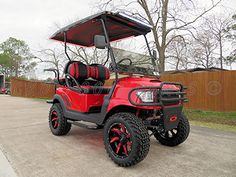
(170, 111)
(56, 72)
(93, 127)
(150, 53)
(113, 60)
(65, 45)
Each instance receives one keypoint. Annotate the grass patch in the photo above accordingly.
(226, 118)
(225, 121)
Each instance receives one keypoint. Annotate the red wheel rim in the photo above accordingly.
(54, 119)
(120, 140)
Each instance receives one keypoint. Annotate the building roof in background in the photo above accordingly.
(194, 70)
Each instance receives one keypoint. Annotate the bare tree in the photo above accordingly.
(231, 31)
(229, 60)
(88, 55)
(168, 19)
(204, 49)
(177, 53)
(56, 57)
(217, 25)
(231, 35)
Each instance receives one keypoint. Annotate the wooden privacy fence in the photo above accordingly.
(214, 90)
(31, 89)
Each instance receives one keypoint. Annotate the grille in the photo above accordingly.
(167, 98)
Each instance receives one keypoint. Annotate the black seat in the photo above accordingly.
(93, 75)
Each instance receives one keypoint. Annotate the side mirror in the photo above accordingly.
(100, 41)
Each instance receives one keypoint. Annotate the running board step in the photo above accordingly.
(93, 127)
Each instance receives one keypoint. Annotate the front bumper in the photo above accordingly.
(170, 102)
(163, 97)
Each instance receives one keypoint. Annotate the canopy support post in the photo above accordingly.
(113, 60)
(150, 52)
(65, 44)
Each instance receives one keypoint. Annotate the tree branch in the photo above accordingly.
(194, 20)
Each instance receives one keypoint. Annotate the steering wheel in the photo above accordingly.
(67, 76)
(124, 59)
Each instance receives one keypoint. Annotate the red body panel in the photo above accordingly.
(120, 95)
(79, 102)
(83, 102)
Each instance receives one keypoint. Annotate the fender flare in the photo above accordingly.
(121, 108)
(57, 99)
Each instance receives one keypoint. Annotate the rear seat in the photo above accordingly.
(90, 77)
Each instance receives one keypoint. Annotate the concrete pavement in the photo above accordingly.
(5, 166)
(34, 152)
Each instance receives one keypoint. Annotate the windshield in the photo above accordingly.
(132, 56)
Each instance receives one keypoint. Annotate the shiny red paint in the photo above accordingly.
(125, 85)
(83, 102)
(77, 101)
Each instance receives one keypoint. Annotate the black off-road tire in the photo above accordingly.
(139, 136)
(183, 130)
(63, 126)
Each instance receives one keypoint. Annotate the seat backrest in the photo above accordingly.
(81, 72)
(99, 72)
(78, 70)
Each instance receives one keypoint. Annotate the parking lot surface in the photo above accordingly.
(33, 151)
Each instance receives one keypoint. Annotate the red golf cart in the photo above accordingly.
(132, 109)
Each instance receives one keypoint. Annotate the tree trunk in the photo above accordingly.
(16, 70)
(161, 65)
(221, 54)
(160, 45)
(207, 62)
(177, 64)
(164, 35)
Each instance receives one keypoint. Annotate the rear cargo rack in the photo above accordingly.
(163, 97)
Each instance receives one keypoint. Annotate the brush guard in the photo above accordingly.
(170, 100)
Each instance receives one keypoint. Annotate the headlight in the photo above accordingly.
(145, 95)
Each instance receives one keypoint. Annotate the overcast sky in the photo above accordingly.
(35, 20)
